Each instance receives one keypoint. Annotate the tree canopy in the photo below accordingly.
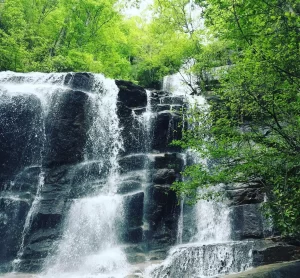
(251, 129)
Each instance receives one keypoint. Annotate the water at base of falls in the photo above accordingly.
(89, 247)
(210, 253)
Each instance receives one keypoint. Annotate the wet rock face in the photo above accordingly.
(248, 193)
(20, 137)
(132, 100)
(167, 128)
(49, 149)
(66, 129)
(247, 222)
(131, 95)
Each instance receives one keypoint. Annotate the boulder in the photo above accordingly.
(164, 176)
(275, 253)
(128, 186)
(179, 100)
(133, 210)
(13, 213)
(162, 215)
(131, 95)
(170, 161)
(247, 222)
(280, 270)
(79, 80)
(243, 196)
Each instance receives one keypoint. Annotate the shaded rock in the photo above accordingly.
(133, 96)
(123, 111)
(281, 270)
(66, 129)
(245, 196)
(169, 161)
(79, 80)
(133, 162)
(133, 210)
(27, 180)
(12, 219)
(163, 107)
(164, 176)
(133, 235)
(128, 186)
(167, 127)
(179, 100)
(21, 118)
(139, 111)
(162, 215)
(134, 135)
(87, 177)
(275, 254)
(247, 222)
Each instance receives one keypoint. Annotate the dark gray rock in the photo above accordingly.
(131, 95)
(139, 111)
(247, 222)
(167, 127)
(79, 80)
(163, 107)
(129, 186)
(280, 270)
(179, 100)
(275, 254)
(13, 213)
(164, 176)
(66, 129)
(87, 177)
(20, 135)
(133, 133)
(243, 196)
(27, 180)
(169, 161)
(162, 215)
(132, 235)
(133, 209)
(133, 162)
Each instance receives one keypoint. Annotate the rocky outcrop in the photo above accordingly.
(284, 270)
(65, 132)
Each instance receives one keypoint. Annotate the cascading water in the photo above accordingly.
(92, 224)
(89, 245)
(23, 111)
(209, 250)
(86, 171)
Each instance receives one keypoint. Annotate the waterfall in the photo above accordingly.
(89, 245)
(86, 169)
(29, 104)
(206, 227)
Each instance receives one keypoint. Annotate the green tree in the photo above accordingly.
(251, 129)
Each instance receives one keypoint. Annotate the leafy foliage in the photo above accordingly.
(251, 128)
